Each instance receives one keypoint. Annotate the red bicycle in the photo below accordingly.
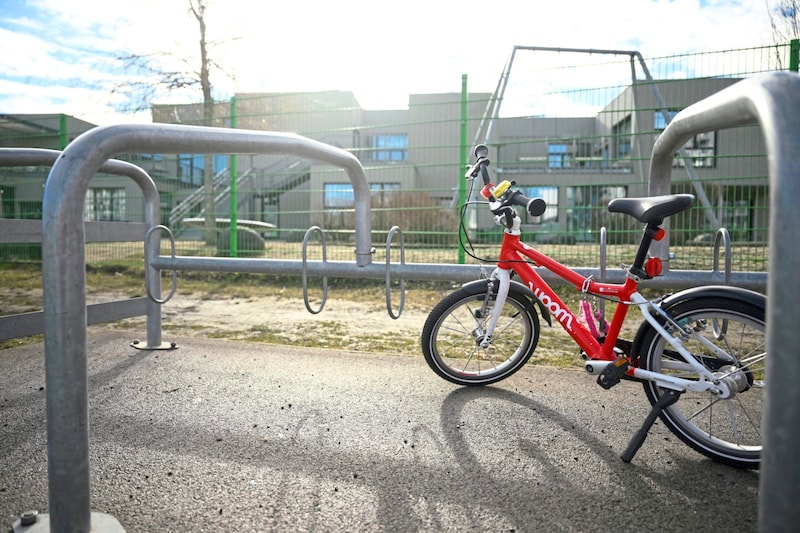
(700, 353)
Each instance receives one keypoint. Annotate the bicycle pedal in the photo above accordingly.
(612, 373)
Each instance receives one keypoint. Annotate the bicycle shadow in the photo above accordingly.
(563, 460)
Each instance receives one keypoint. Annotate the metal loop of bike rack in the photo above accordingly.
(722, 238)
(389, 239)
(304, 271)
(147, 273)
(63, 275)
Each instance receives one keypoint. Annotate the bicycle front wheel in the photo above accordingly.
(726, 430)
(456, 327)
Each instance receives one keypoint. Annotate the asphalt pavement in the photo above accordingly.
(230, 436)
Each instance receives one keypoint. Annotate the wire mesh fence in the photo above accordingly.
(575, 127)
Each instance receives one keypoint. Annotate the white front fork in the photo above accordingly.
(503, 278)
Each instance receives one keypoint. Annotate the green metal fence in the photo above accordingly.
(574, 127)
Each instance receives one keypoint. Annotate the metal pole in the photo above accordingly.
(677, 279)
(767, 99)
(234, 235)
(794, 55)
(63, 258)
(462, 162)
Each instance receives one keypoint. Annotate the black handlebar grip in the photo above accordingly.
(481, 151)
(535, 206)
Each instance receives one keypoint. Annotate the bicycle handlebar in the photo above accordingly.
(481, 165)
(502, 193)
(535, 206)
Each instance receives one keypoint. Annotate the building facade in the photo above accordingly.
(412, 161)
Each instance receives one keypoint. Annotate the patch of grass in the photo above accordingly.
(326, 334)
(22, 341)
(24, 276)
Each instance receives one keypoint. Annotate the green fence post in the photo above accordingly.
(234, 240)
(794, 55)
(462, 183)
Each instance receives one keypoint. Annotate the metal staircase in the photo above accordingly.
(286, 174)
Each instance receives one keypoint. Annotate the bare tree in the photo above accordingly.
(198, 9)
(150, 75)
(784, 20)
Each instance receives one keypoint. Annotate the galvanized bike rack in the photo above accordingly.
(772, 101)
(63, 267)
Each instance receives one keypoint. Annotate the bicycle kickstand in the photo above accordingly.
(669, 397)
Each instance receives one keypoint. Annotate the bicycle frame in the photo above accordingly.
(511, 252)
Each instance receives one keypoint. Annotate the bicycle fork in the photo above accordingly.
(503, 278)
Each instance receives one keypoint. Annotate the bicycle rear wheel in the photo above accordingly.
(726, 430)
(454, 330)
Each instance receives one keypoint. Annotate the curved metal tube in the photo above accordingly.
(389, 239)
(64, 276)
(771, 100)
(304, 269)
(722, 239)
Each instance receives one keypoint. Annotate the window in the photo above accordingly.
(390, 147)
(736, 218)
(660, 121)
(557, 156)
(338, 196)
(104, 204)
(341, 195)
(191, 167)
(31, 210)
(550, 196)
(7, 202)
(622, 138)
(587, 207)
(700, 149)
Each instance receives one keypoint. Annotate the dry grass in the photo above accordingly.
(110, 277)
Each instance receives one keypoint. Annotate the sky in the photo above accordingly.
(60, 56)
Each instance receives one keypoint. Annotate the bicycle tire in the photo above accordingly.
(725, 430)
(452, 334)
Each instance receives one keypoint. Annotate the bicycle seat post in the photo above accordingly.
(652, 231)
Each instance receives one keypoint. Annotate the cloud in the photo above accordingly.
(382, 53)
